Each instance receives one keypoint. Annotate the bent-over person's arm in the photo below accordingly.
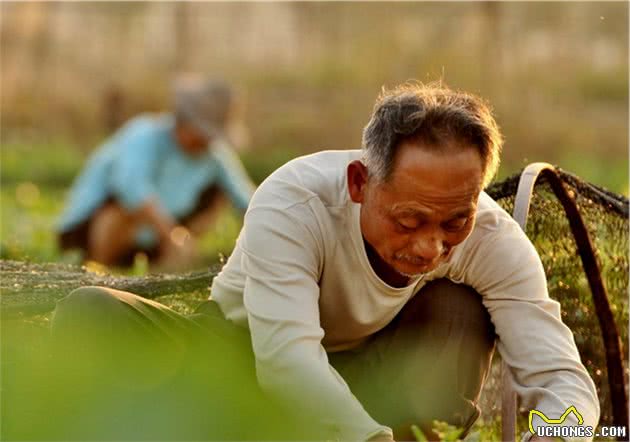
(501, 263)
(232, 176)
(131, 179)
(281, 258)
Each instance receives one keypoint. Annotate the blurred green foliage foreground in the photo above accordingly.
(36, 397)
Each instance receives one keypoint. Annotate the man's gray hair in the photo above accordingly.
(435, 116)
(204, 103)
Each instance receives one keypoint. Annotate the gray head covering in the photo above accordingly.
(203, 103)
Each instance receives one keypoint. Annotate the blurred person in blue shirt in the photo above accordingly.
(158, 181)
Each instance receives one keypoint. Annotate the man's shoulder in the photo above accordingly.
(494, 230)
(497, 250)
(146, 127)
(320, 176)
(491, 217)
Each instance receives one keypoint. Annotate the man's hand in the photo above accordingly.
(177, 246)
(178, 251)
(381, 437)
(151, 213)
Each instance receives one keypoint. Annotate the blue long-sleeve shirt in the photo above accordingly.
(143, 161)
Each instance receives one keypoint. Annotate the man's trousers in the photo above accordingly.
(135, 369)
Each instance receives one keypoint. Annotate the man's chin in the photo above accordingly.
(410, 275)
(411, 270)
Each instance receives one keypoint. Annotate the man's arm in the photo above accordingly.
(131, 178)
(233, 177)
(281, 258)
(502, 264)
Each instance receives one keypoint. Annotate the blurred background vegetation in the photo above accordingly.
(556, 74)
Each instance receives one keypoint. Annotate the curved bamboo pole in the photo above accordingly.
(610, 334)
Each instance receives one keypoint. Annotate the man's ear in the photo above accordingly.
(357, 180)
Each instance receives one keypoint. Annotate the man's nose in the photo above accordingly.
(428, 247)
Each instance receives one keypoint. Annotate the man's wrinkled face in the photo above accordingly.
(427, 207)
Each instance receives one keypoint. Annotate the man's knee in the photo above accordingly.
(89, 298)
(460, 326)
(86, 307)
(443, 303)
(111, 233)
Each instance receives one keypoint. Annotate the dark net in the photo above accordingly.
(606, 217)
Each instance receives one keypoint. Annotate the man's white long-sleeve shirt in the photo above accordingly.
(299, 278)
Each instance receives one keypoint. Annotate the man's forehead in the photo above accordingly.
(444, 153)
(420, 168)
(449, 185)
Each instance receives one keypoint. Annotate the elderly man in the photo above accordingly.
(373, 283)
(158, 179)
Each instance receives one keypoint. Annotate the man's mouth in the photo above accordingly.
(413, 260)
(422, 265)
(419, 266)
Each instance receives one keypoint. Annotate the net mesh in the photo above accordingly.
(30, 290)
(605, 215)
